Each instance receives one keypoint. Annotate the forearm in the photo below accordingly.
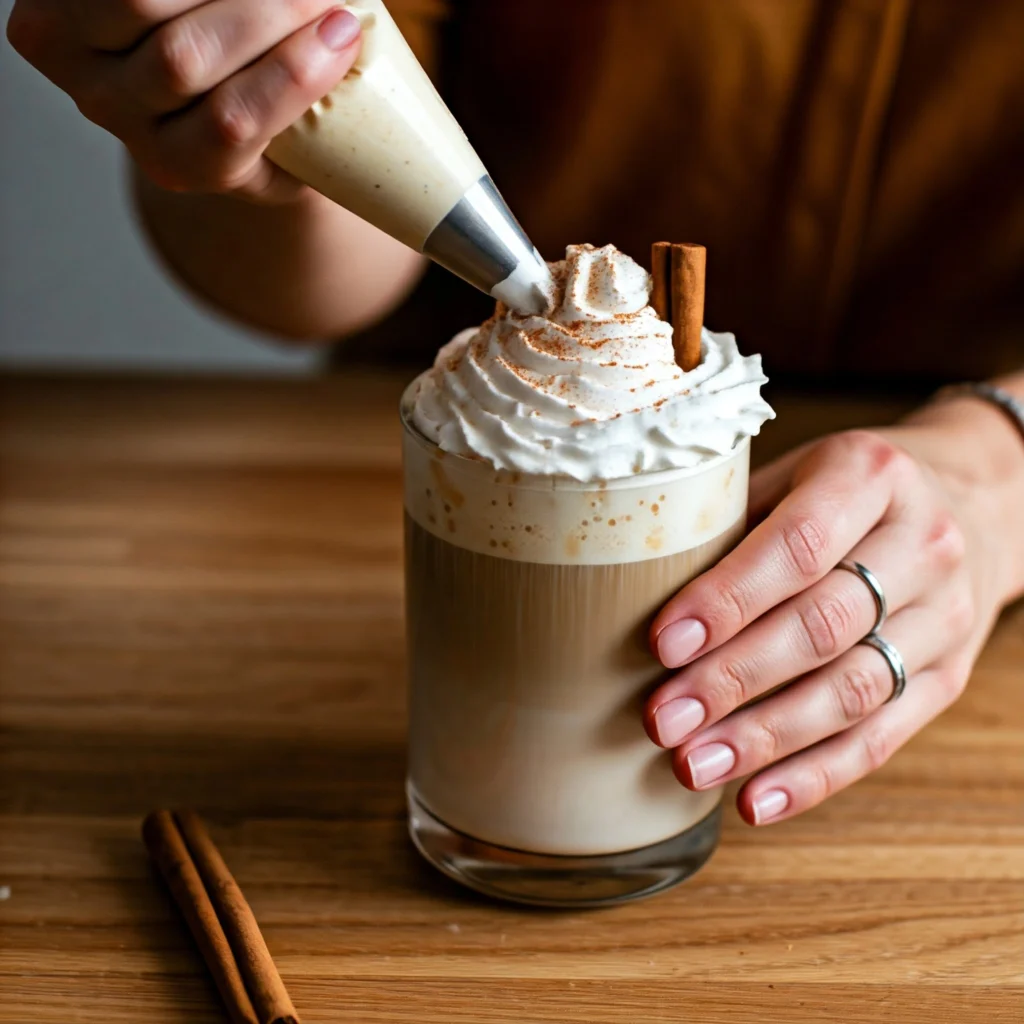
(306, 270)
(979, 451)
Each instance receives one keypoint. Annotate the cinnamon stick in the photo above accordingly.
(661, 271)
(219, 917)
(168, 851)
(689, 263)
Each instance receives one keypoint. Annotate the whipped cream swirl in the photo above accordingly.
(591, 390)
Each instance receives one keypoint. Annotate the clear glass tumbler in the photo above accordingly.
(528, 602)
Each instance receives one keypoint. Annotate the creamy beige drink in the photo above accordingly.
(563, 478)
(383, 144)
(528, 605)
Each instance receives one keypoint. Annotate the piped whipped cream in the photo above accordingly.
(591, 390)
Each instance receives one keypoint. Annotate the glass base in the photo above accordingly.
(549, 880)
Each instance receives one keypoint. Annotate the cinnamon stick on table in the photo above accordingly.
(219, 918)
(677, 295)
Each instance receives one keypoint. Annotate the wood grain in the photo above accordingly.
(200, 604)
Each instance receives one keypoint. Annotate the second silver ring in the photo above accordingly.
(873, 585)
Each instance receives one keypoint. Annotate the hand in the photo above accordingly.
(776, 610)
(196, 91)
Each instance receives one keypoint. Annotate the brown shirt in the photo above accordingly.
(855, 167)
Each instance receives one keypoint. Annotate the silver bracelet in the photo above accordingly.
(1002, 399)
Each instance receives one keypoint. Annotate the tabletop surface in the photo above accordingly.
(201, 605)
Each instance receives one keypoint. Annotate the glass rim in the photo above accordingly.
(540, 481)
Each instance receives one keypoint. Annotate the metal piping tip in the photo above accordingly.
(481, 242)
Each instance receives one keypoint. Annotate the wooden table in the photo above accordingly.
(201, 605)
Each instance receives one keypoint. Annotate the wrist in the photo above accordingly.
(977, 452)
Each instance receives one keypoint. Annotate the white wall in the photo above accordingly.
(78, 288)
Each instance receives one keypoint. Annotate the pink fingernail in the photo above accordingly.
(770, 804)
(339, 30)
(679, 641)
(709, 763)
(676, 719)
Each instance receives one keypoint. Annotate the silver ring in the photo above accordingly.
(894, 661)
(873, 585)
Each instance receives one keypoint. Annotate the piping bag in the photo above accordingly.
(384, 145)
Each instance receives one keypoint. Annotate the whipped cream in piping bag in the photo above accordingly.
(591, 390)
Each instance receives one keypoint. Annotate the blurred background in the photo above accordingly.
(79, 289)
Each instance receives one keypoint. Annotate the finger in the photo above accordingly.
(116, 25)
(217, 144)
(188, 56)
(90, 78)
(45, 36)
(797, 636)
(811, 776)
(828, 701)
(842, 490)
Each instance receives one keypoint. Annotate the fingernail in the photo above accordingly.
(770, 804)
(676, 719)
(339, 29)
(709, 763)
(679, 641)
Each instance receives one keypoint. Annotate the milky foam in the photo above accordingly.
(591, 390)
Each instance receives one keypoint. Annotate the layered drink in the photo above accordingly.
(563, 478)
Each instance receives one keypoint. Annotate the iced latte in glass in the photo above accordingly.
(563, 478)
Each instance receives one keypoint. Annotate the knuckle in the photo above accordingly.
(728, 608)
(731, 685)
(183, 57)
(806, 541)
(876, 748)
(858, 692)
(234, 122)
(766, 740)
(877, 454)
(828, 623)
(822, 782)
(304, 76)
(946, 541)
